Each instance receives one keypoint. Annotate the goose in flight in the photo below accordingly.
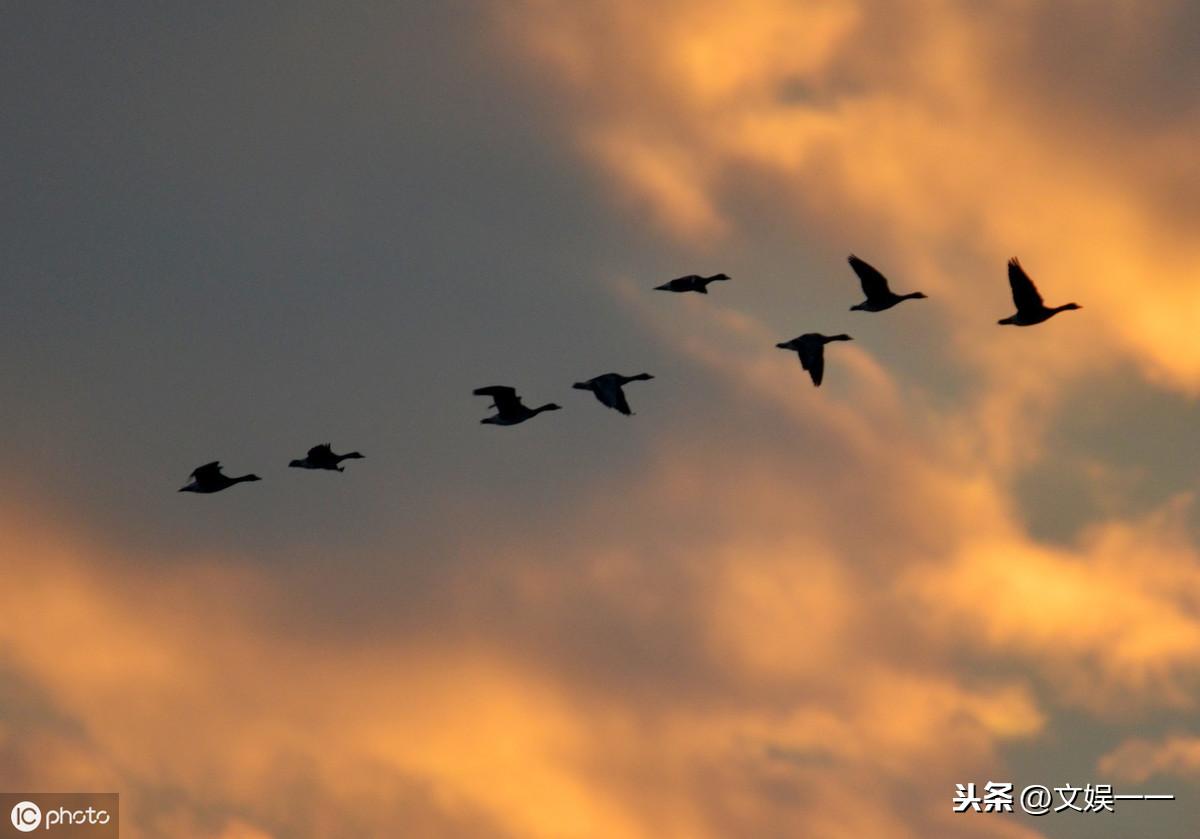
(1030, 308)
(322, 457)
(811, 349)
(607, 389)
(875, 286)
(510, 410)
(692, 282)
(208, 478)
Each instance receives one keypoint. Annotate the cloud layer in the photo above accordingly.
(756, 608)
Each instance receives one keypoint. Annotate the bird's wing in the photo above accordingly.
(207, 471)
(1024, 292)
(506, 397)
(609, 393)
(812, 359)
(321, 451)
(874, 284)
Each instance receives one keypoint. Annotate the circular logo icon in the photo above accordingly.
(26, 816)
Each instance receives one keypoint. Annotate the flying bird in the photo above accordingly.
(692, 282)
(607, 389)
(208, 478)
(811, 349)
(1030, 308)
(322, 457)
(875, 286)
(509, 408)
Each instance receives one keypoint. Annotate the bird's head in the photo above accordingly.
(1071, 307)
(785, 345)
(663, 287)
(298, 464)
(858, 307)
(581, 386)
(551, 406)
(918, 295)
(252, 478)
(720, 277)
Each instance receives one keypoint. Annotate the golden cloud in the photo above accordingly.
(919, 132)
(1138, 759)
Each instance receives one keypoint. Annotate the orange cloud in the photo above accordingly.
(1112, 624)
(188, 689)
(1138, 760)
(744, 638)
(912, 132)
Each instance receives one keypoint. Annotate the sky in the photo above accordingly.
(756, 608)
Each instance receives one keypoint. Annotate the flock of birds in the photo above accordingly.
(609, 387)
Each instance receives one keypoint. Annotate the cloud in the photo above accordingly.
(1138, 760)
(802, 612)
(1112, 623)
(926, 133)
(627, 687)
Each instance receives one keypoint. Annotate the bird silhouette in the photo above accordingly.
(607, 389)
(208, 478)
(811, 349)
(322, 457)
(1030, 308)
(509, 408)
(875, 286)
(692, 282)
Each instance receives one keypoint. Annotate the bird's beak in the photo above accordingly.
(783, 346)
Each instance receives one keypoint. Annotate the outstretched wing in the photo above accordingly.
(874, 284)
(609, 392)
(208, 471)
(505, 397)
(320, 452)
(812, 359)
(1024, 292)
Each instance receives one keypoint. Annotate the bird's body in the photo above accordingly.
(1030, 308)
(322, 457)
(810, 347)
(875, 287)
(692, 282)
(208, 478)
(510, 410)
(608, 389)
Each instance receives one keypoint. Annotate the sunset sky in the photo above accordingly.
(756, 609)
